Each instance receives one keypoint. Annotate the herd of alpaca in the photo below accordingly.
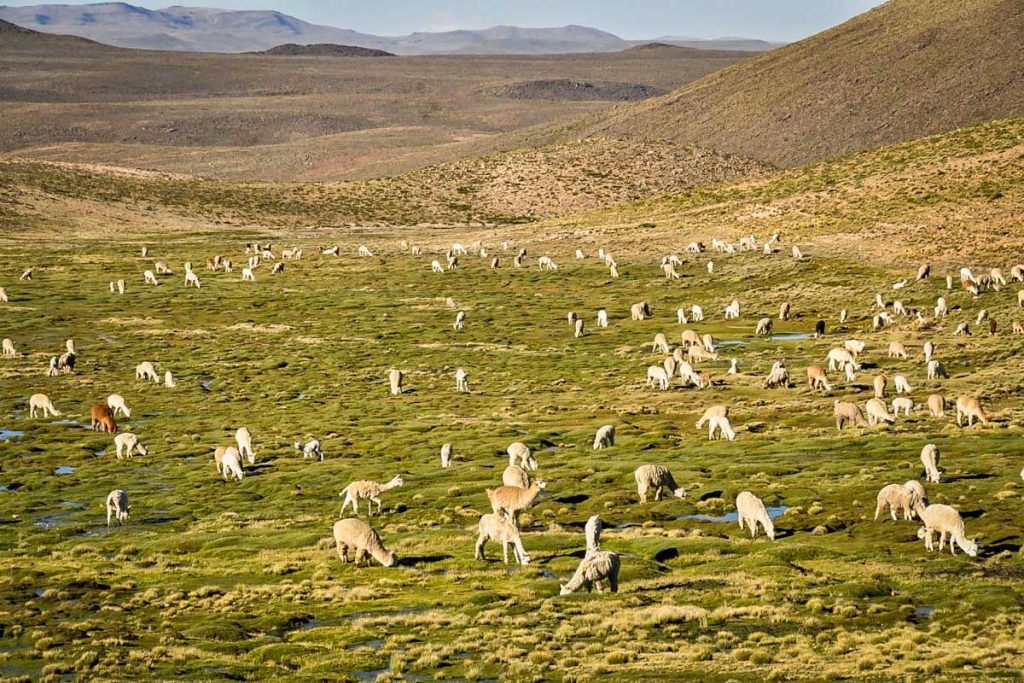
(518, 491)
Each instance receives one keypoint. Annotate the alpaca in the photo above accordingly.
(969, 407)
(896, 496)
(945, 520)
(751, 510)
(521, 452)
(42, 403)
(103, 419)
(658, 478)
(511, 500)
(930, 460)
(361, 537)
(118, 507)
(494, 527)
(244, 439)
(604, 437)
(369, 490)
(130, 444)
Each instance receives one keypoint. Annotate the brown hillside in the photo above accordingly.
(906, 69)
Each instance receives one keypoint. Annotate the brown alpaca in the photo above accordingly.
(103, 419)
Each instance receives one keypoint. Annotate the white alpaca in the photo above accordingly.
(930, 460)
(904, 404)
(436, 267)
(604, 437)
(41, 402)
(191, 279)
(244, 439)
(578, 333)
(751, 511)
(602, 318)
(670, 271)
(461, 380)
(460, 321)
(310, 449)
(116, 403)
(941, 308)
(579, 255)
(732, 311)
(518, 451)
(395, 380)
(363, 251)
(840, 357)
(447, 455)
(697, 314)
(230, 464)
(129, 443)
(936, 370)
(947, 521)
(3, 296)
(117, 507)
(660, 344)
(711, 267)
(657, 375)
(150, 278)
(720, 424)
(169, 382)
(248, 275)
(146, 370)
(120, 286)
(681, 316)
(9, 350)
(902, 385)
(929, 350)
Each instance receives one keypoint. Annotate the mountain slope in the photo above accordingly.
(215, 30)
(906, 69)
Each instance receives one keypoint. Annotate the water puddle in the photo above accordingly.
(206, 384)
(793, 336)
(3, 487)
(100, 452)
(57, 519)
(924, 612)
(730, 342)
(8, 434)
(65, 469)
(774, 512)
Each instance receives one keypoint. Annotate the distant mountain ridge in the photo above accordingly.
(198, 29)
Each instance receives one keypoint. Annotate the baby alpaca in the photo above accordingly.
(360, 536)
(369, 490)
(129, 443)
(896, 496)
(117, 506)
(311, 449)
(750, 510)
(521, 452)
(494, 527)
(930, 460)
(605, 437)
(658, 478)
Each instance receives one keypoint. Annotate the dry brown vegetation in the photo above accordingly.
(906, 69)
(294, 118)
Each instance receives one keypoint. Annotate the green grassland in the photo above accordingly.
(216, 580)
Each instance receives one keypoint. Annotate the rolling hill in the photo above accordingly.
(303, 118)
(906, 69)
(324, 50)
(198, 29)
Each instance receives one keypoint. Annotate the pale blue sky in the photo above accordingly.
(779, 20)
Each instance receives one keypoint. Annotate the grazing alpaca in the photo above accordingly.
(103, 419)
